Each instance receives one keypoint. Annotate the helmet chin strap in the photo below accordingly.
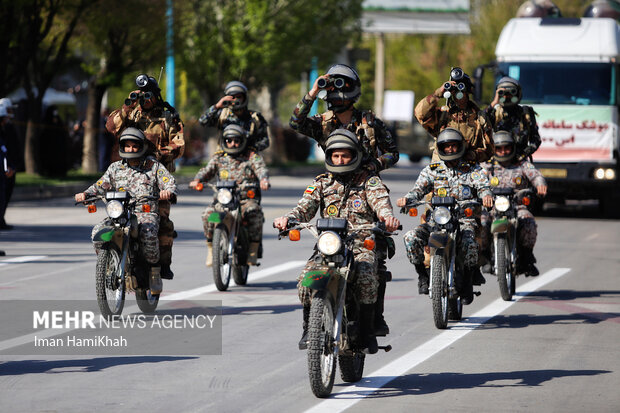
(339, 108)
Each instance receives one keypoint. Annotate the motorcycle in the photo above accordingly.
(333, 327)
(504, 229)
(120, 261)
(230, 238)
(448, 280)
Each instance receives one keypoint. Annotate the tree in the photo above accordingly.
(114, 44)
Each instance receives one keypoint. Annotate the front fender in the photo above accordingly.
(500, 225)
(438, 240)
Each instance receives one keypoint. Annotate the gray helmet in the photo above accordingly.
(236, 87)
(450, 135)
(503, 138)
(234, 131)
(342, 139)
(509, 83)
(351, 90)
(136, 135)
(538, 8)
(603, 8)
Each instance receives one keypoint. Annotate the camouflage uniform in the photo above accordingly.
(521, 121)
(518, 175)
(375, 139)
(147, 179)
(361, 200)
(472, 123)
(251, 121)
(465, 181)
(165, 133)
(247, 171)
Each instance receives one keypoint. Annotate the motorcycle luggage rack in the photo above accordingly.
(502, 191)
(442, 201)
(333, 224)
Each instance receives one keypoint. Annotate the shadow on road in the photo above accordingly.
(14, 368)
(417, 384)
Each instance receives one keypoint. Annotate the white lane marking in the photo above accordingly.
(182, 295)
(592, 236)
(21, 260)
(377, 379)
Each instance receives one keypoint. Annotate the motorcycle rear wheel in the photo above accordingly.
(439, 276)
(321, 347)
(455, 309)
(240, 274)
(505, 278)
(110, 289)
(147, 302)
(351, 367)
(222, 267)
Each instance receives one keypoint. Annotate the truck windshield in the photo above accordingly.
(563, 83)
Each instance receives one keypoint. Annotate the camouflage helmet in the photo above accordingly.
(342, 139)
(232, 132)
(351, 91)
(136, 135)
(235, 87)
(538, 8)
(503, 138)
(603, 8)
(508, 83)
(450, 135)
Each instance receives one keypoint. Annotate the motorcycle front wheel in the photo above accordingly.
(147, 302)
(505, 278)
(109, 287)
(439, 276)
(321, 346)
(222, 267)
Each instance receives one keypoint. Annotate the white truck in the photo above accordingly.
(568, 70)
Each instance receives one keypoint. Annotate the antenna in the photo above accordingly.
(160, 72)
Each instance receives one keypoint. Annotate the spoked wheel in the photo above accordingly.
(351, 367)
(440, 291)
(110, 288)
(222, 267)
(505, 277)
(321, 346)
(240, 274)
(147, 302)
(455, 309)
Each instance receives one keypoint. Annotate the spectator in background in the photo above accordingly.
(9, 158)
(54, 145)
(105, 141)
(77, 142)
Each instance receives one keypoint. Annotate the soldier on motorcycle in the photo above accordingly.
(505, 113)
(357, 194)
(456, 177)
(141, 175)
(146, 110)
(342, 87)
(505, 170)
(232, 109)
(238, 163)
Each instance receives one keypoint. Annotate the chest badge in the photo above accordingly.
(357, 203)
(518, 180)
(494, 181)
(442, 192)
(224, 174)
(332, 210)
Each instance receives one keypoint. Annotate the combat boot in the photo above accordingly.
(209, 261)
(381, 327)
(422, 278)
(253, 253)
(528, 261)
(155, 284)
(477, 277)
(367, 321)
(166, 272)
(303, 343)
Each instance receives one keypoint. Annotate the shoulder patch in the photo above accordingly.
(373, 181)
(310, 189)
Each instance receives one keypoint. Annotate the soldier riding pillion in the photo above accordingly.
(146, 110)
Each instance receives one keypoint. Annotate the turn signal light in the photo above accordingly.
(526, 200)
(469, 212)
(413, 212)
(294, 235)
(369, 244)
(92, 208)
(251, 194)
(146, 208)
(199, 186)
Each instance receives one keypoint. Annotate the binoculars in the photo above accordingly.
(459, 86)
(507, 91)
(337, 82)
(143, 96)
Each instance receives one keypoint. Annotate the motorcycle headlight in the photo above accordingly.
(329, 243)
(224, 196)
(502, 203)
(114, 209)
(441, 215)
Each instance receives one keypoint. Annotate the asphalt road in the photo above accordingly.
(553, 348)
